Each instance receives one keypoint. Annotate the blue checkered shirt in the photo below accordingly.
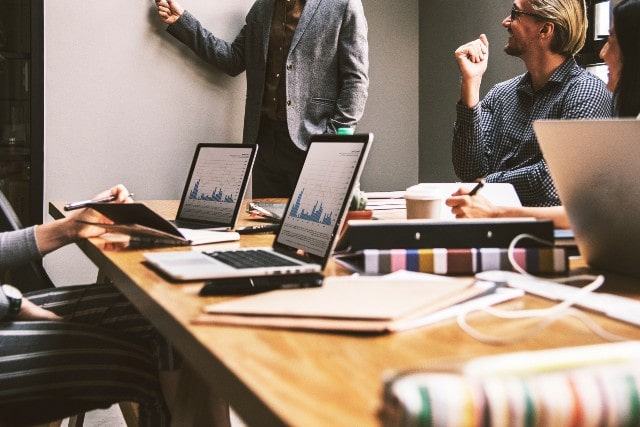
(495, 139)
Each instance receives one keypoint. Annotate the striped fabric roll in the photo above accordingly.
(463, 261)
(594, 396)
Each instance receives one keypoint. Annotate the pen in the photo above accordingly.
(266, 228)
(83, 203)
(261, 210)
(477, 188)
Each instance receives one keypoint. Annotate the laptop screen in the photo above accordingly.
(216, 184)
(594, 165)
(323, 193)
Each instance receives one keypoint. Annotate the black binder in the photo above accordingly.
(454, 234)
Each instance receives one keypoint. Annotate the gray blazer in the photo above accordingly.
(327, 66)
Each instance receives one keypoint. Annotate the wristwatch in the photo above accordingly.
(14, 296)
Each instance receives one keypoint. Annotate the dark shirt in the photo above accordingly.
(285, 20)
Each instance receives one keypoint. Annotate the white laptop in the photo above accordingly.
(595, 165)
(310, 226)
(215, 186)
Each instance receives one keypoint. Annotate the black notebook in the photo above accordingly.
(146, 226)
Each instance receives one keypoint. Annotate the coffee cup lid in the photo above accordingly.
(423, 191)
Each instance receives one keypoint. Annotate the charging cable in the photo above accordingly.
(542, 317)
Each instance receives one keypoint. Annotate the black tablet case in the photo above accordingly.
(456, 234)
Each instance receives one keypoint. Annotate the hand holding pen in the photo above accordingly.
(469, 204)
(477, 188)
(84, 223)
(84, 203)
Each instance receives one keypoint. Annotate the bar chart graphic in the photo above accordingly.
(323, 188)
(316, 215)
(217, 195)
(215, 184)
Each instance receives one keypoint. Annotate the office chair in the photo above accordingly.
(33, 277)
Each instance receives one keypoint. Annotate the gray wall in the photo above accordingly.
(124, 102)
(445, 25)
(392, 111)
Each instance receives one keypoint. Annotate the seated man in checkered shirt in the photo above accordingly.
(494, 138)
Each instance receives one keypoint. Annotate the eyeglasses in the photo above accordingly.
(515, 12)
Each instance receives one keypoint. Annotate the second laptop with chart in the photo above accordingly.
(210, 205)
(310, 226)
(215, 186)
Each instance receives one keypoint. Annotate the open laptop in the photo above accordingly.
(310, 226)
(215, 187)
(595, 166)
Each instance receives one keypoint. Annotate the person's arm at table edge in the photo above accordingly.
(464, 206)
(555, 213)
(56, 234)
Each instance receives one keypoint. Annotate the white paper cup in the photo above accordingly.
(423, 202)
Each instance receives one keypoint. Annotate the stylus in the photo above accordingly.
(84, 203)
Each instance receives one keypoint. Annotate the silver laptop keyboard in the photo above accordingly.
(253, 258)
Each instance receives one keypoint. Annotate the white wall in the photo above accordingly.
(125, 102)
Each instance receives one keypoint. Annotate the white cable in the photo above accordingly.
(548, 315)
(512, 246)
(580, 294)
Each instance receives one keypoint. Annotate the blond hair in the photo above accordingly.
(570, 20)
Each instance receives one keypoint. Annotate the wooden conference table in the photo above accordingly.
(281, 377)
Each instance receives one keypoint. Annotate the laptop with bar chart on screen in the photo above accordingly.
(310, 226)
(215, 186)
(210, 204)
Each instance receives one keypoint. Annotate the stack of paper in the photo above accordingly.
(354, 304)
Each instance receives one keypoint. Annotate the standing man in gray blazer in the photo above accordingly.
(307, 73)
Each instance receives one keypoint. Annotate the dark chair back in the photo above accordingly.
(32, 276)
